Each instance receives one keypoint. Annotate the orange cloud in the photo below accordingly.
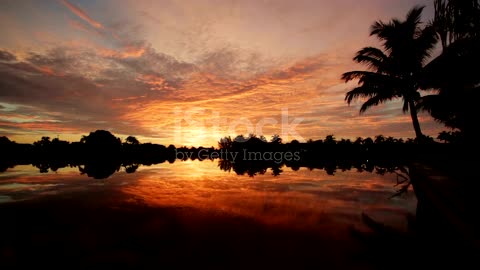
(126, 52)
(82, 27)
(309, 89)
(49, 71)
(133, 51)
(156, 82)
(41, 126)
(82, 14)
(224, 100)
(128, 98)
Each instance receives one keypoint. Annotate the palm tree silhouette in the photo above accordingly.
(457, 24)
(394, 72)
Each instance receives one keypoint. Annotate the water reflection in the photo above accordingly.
(304, 198)
(324, 200)
(266, 192)
(101, 169)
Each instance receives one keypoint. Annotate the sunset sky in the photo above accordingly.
(190, 72)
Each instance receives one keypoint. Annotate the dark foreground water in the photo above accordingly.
(193, 214)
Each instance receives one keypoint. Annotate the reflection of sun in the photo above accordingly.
(194, 170)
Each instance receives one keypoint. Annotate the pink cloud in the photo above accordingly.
(82, 14)
(126, 52)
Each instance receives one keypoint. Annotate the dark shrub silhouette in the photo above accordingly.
(102, 142)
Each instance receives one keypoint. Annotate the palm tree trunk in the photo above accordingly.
(416, 124)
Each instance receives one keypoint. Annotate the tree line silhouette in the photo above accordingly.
(100, 154)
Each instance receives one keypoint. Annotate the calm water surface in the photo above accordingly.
(296, 198)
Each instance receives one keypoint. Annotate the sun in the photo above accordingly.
(194, 136)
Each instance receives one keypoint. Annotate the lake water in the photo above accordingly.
(216, 216)
(301, 198)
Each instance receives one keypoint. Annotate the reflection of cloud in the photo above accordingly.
(306, 196)
(81, 14)
(301, 199)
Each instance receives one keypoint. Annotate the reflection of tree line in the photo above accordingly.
(252, 168)
(100, 154)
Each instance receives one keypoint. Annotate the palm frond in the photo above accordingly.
(357, 74)
(425, 43)
(377, 27)
(374, 101)
(372, 51)
(414, 15)
(385, 91)
(360, 92)
(369, 76)
(384, 31)
(372, 57)
(429, 102)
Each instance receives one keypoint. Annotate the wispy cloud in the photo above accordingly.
(7, 56)
(82, 14)
(143, 92)
(204, 63)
